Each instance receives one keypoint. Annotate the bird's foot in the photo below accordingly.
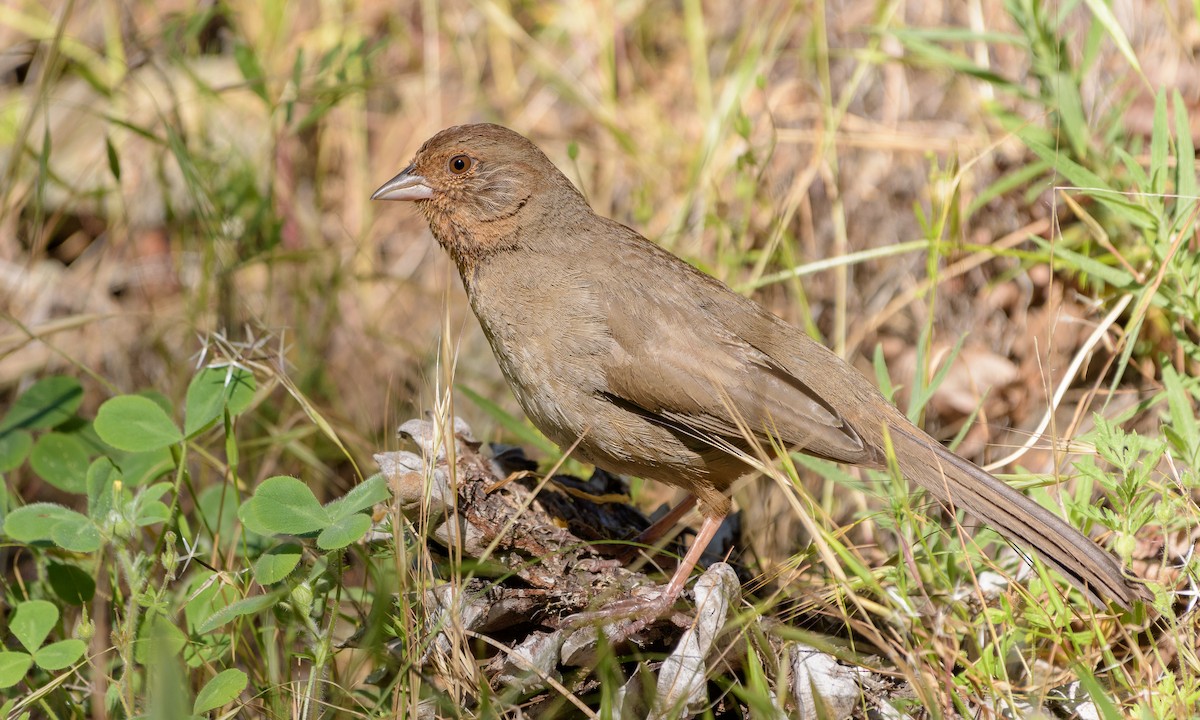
(622, 619)
(627, 617)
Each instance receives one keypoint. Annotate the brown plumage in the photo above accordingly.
(658, 370)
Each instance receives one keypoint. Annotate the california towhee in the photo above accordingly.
(649, 367)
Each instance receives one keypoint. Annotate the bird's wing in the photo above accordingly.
(678, 361)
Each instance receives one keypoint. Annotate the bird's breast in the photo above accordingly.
(548, 333)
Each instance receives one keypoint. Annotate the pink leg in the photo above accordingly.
(707, 530)
(660, 527)
(652, 608)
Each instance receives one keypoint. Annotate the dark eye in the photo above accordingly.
(459, 164)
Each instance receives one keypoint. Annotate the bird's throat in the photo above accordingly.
(472, 248)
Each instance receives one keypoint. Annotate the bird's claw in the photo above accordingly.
(622, 619)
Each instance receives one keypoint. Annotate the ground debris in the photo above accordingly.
(539, 546)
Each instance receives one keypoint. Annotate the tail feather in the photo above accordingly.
(964, 485)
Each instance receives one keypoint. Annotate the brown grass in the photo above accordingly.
(749, 139)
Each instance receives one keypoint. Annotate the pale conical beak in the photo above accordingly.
(406, 186)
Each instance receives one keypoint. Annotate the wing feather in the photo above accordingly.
(727, 388)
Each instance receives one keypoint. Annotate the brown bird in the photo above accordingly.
(649, 367)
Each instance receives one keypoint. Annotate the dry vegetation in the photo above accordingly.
(182, 184)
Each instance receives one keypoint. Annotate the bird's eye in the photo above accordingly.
(459, 164)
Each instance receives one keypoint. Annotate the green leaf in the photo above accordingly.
(923, 395)
(32, 622)
(155, 492)
(1104, 14)
(47, 403)
(247, 514)
(135, 424)
(140, 468)
(152, 513)
(35, 522)
(362, 496)
(343, 532)
(1185, 173)
(277, 563)
(114, 161)
(59, 655)
(1076, 262)
(247, 62)
(247, 606)
(1133, 165)
(159, 399)
(167, 691)
(42, 522)
(1090, 183)
(1160, 139)
(161, 631)
(217, 508)
(14, 448)
(283, 505)
(1185, 429)
(62, 461)
(1069, 106)
(882, 378)
(221, 690)
(102, 478)
(930, 54)
(212, 391)
(289, 104)
(81, 537)
(204, 597)
(1075, 173)
(71, 583)
(13, 666)
(1104, 706)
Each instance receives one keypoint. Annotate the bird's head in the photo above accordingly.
(474, 182)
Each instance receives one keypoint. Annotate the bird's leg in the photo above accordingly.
(658, 528)
(649, 609)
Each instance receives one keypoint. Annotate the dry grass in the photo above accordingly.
(838, 148)
(154, 191)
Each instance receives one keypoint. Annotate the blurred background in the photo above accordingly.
(183, 181)
(993, 198)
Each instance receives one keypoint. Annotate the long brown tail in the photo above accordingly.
(963, 485)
